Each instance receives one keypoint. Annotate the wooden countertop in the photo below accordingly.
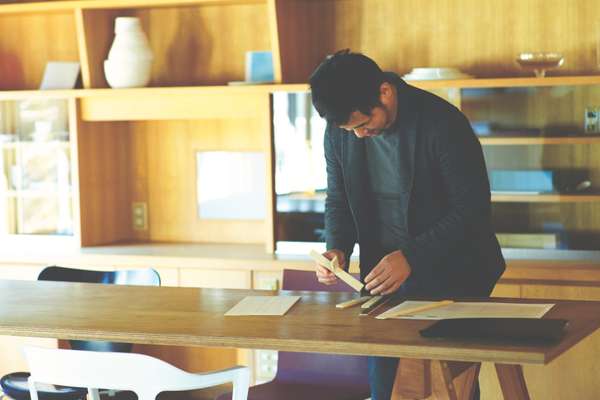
(246, 257)
(166, 255)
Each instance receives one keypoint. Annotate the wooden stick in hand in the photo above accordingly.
(334, 267)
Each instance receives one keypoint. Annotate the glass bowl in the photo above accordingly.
(540, 62)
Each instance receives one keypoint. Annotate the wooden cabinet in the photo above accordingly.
(124, 137)
(38, 179)
(203, 43)
(141, 145)
(541, 155)
(541, 152)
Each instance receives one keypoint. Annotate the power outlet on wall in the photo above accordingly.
(592, 120)
(139, 216)
(266, 365)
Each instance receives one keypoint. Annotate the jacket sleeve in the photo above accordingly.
(465, 182)
(340, 231)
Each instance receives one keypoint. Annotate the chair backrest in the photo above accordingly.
(313, 367)
(147, 276)
(144, 375)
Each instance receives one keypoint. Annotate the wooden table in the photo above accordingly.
(194, 317)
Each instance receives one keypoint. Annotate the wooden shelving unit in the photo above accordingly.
(521, 141)
(545, 198)
(139, 145)
(125, 136)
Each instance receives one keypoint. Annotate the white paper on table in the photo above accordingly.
(472, 310)
(263, 305)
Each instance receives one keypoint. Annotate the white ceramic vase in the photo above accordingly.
(129, 61)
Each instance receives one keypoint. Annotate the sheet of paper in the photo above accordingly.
(263, 305)
(473, 310)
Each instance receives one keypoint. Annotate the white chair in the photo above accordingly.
(144, 375)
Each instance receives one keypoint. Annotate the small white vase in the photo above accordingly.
(130, 58)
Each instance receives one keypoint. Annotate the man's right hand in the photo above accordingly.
(324, 275)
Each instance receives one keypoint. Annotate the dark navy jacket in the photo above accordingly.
(445, 198)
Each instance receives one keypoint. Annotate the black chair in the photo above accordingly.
(15, 384)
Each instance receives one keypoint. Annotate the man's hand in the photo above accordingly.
(389, 274)
(324, 275)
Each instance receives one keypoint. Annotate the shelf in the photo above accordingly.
(292, 87)
(176, 103)
(49, 6)
(502, 141)
(52, 144)
(36, 193)
(508, 82)
(545, 198)
(150, 91)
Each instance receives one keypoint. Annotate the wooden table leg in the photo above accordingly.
(459, 378)
(413, 379)
(435, 380)
(512, 381)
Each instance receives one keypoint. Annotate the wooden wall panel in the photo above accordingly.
(164, 174)
(482, 38)
(104, 182)
(29, 41)
(199, 45)
(154, 162)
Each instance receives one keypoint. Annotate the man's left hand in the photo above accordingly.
(389, 274)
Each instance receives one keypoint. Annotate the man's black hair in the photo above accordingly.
(343, 83)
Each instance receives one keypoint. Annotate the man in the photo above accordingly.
(406, 180)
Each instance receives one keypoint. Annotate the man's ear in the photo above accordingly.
(385, 92)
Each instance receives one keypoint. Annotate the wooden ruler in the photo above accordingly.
(353, 302)
(413, 310)
(334, 267)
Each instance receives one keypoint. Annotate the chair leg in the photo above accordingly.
(32, 389)
(147, 395)
(241, 383)
(94, 394)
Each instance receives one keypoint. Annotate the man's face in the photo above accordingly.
(367, 125)
(380, 117)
